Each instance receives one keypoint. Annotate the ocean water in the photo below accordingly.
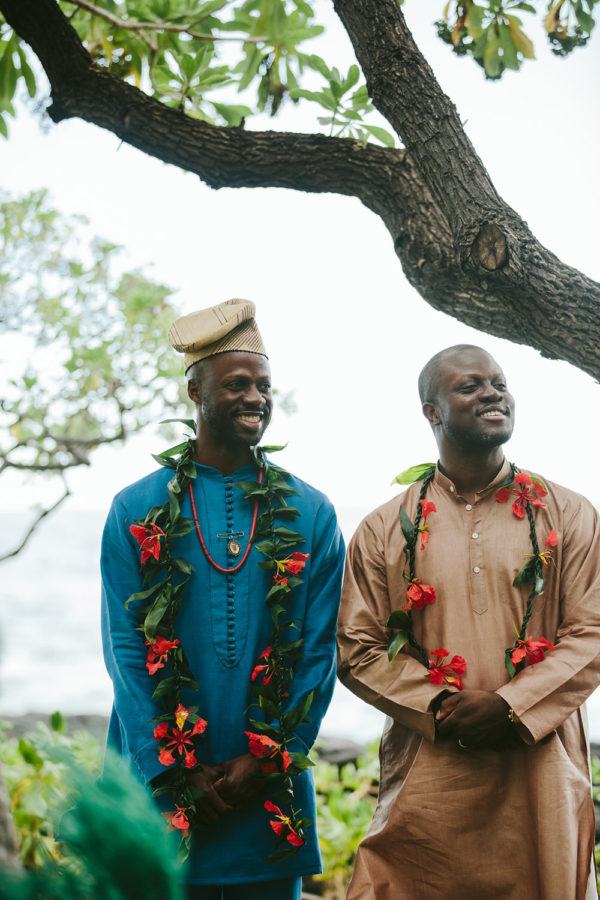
(50, 651)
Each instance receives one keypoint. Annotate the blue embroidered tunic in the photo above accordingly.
(224, 625)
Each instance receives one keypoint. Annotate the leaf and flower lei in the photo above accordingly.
(179, 728)
(527, 492)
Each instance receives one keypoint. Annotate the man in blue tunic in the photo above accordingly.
(224, 625)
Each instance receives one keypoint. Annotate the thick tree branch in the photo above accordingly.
(404, 89)
(461, 246)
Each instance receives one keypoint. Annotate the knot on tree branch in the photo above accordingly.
(490, 247)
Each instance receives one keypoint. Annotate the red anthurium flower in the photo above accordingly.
(282, 823)
(530, 652)
(295, 563)
(419, 595)
(440, 672)
(179, 819)
(264, 747)
(158, 651)
(179, 739)
(148, 538)
(266, 666)
(552, 539)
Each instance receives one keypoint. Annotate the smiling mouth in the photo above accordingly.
(493, 414)
(252, 419)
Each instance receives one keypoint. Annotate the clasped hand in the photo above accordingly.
(220, 788)
(479, 719)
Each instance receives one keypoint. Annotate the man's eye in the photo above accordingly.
(264, 388)
(468, 387)
(500, 385)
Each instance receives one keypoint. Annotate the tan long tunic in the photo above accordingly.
(474, 824)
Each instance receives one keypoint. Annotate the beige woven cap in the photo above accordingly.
(219, 329)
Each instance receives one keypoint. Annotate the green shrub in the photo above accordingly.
(35, 770)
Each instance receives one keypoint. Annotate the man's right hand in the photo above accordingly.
(209, 805)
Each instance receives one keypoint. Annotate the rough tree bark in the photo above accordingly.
(461, 246)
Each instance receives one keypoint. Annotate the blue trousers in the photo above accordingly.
(283, 889)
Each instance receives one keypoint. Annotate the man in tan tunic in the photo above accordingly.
(485, 791)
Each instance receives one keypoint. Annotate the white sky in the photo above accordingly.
(343, 327)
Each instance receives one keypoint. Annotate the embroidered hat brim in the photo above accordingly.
(222, 328)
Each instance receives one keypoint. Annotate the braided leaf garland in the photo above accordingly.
(524, 649)
(164, 578)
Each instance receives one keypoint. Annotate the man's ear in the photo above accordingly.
(431, 414)
(194, 389)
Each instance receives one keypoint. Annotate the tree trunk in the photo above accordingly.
(461, 246)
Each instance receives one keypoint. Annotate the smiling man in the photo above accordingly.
(225, 624)
(488, 580)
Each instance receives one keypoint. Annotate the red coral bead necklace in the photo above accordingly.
(213, 562)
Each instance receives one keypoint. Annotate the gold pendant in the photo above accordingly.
(233, 547)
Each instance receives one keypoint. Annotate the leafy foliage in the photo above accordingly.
(35, 770)
(493, 31)
(112, 840)
(200, 57)
(346, 798)
(93, 363)
(40, 764)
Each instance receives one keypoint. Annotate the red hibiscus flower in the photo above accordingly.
(295, 563)
(419, 595)
(441, 672)
(265, 665)
(526, 491)
(148, 538)
(158, 651)
(179, 820)
(426, 507)
(179, 739)
(282, 824)
(530, 652)
(264, 747)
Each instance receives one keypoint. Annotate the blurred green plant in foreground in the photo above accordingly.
(115, 843)
(37, 770)
(48, 771)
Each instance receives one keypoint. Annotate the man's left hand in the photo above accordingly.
(241, 780)
(476, 718)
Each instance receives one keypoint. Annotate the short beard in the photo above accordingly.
(471, 441)
(221, 428)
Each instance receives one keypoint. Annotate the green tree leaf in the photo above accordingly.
(396, 644)
(415, 473)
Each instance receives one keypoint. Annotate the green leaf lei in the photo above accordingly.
(528, 491)
(164, 578)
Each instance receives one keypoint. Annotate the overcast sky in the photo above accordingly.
(343, 327)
